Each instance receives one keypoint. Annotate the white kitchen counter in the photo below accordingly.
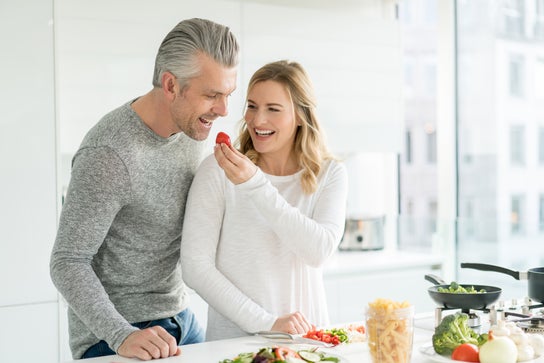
(214, 352)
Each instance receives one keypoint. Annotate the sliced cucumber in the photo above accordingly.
(309, 356)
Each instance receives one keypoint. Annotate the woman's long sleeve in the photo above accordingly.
(311, 237)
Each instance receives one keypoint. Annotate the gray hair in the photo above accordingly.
(178, 51)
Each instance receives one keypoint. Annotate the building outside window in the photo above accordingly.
(541, 145)
(517, 214)
(408, 147)
(499, 147)
(431, 144)
(417, 169)
(541, 213)
(499, 106)
(538, 79)
(516, 70)
(517, 145)
(513, 17)
(539, 19)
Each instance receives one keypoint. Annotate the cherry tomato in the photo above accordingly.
(466, 352)
(222, 138)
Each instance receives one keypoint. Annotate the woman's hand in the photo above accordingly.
(238, 168)
(293, 323)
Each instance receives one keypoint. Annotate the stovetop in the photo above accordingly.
(527, 314)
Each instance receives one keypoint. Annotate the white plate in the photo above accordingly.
(428, 351)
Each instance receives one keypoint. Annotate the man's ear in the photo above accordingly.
(169, 85)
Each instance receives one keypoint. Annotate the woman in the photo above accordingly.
(261, 221)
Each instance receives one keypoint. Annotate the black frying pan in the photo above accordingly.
(535, 276)
(462, 301)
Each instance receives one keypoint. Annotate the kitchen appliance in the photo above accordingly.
(363, 234)
(485, 310)
(525, 313)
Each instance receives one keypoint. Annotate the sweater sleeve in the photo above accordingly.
(99, 187)
(313, 238)
(201, 232)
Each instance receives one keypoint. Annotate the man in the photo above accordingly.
(116, 254)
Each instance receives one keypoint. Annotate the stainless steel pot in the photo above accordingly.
(363, 234)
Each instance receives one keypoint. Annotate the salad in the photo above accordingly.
(282, 354)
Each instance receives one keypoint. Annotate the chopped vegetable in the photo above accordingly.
(282, 354)
(452, 332)
(455, 288)
(331, 336)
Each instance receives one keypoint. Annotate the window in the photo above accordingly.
(409, 82)
(430, 79)
(432, 212)
(405, 12)
(500, 192)
(541, 145)
(430, 12)
(466, 224)
(431, 144)
(541, 213)
(417, 164)
(513, 19)
(539, 19)
(408, 150)
(516, 68)
(517, 145)
(538, 79)
(516, 214)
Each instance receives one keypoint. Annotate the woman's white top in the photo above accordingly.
(254, 251)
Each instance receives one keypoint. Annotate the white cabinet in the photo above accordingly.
(353, 279)
(28, 333)
(28, 192)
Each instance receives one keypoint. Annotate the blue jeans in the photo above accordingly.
(183, 327)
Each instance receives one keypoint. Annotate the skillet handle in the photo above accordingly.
(486, 267)
(435, 279)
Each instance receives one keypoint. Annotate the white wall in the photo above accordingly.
(351, 49)
(102, 55)
(28, 300)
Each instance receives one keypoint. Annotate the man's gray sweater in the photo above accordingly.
(116, 254)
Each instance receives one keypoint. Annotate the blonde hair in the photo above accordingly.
(309, 146)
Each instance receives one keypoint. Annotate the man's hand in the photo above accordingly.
(150, 343)
(293, 323)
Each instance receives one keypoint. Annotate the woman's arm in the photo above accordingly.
(311, 237)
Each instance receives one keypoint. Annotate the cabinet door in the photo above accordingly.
(29, 333)
(349, 295)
